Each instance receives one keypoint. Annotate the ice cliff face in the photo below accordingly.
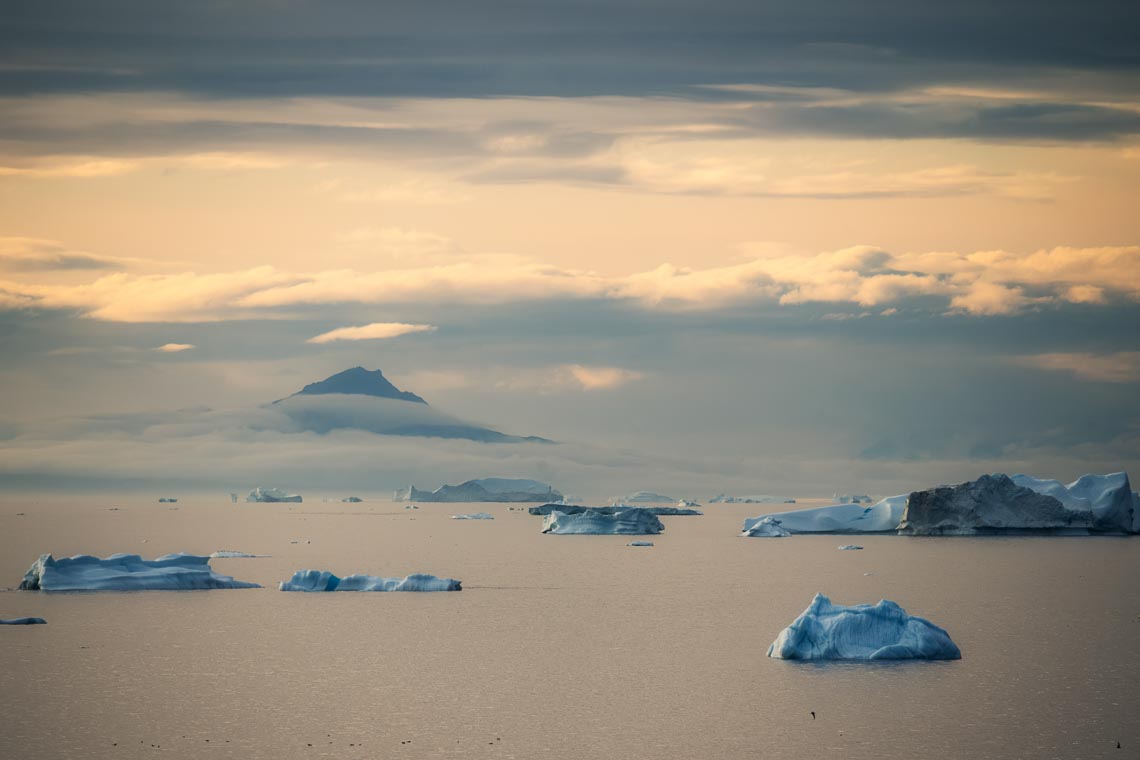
(126, 572)
(485, 490)
(271, 495)
(1108, 497)
(883, 631)
(990, 504)
(631, 521)
(323, 580)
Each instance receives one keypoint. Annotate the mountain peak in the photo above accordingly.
(359, 382)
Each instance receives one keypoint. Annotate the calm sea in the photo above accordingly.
(558, 646)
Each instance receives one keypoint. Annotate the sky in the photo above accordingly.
(757, 247)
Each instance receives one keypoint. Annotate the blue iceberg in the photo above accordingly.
(24, 621)
(126, 572)
(323, 580)
(883, 631)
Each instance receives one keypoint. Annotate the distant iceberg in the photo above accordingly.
(167, 500)
(272, 495)
(847, 498)
(484, 490)
(352, 500)
(126, 572)
(476, 516)
(851, 548)
(840, 518)
(685, 503)
(23, 621)
(568, 509)
(758, 499)
(231, 554)
(765, 527)
(323, 580)
(641, 497)
(640, 543)
(883, 631)
(631, 521)
(990, 504)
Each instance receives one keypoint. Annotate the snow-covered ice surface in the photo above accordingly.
(23, 621)
(232, 554)
(475, 516)
(323, 580)
(631, 521)
(881, 517)
(765, 527)
(126, 572)
(272, 495)
(1108, 497)
(883, 631)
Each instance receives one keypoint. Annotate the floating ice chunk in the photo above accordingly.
(640, 543)
(24, 621)
(126, 572)
(756, 499)
(352, 500)
(631, 521)
(883, 631)
(683, 503)
(411, 506)
(475, 516)
(568, 509)
(323, 580)
(841, 518)
(765, 527)
(851, 548)
(642, 497)
(167, 500)
(231, 554)
(271, 495)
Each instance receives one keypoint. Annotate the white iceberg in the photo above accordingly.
(640, 543)
(765, 527)
(883, 631)
(484, 490)
(683, 503)
(570, 509)
(476, 516)
(323, 580)
(272, 495)
(352, 500)
(631, 521)
(642, 497)
(232, 554)
(851, 548)
(126, 572)
(1108, 497)
(24, 621)
(755, 499)
(840, 518)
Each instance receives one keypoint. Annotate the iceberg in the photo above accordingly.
(484, 490)
(126, 572)
(231, 554)
(167, 500)
(1108, 497)
(23, 621)
(685, 503)
(631, 521)
(990, 504)
(840, 518)
(568, 509)
(640, 543)
(643, 497)
(883, 631)
(759, 499)
(476, 516)
(847, 498)
(766, 527)
(271, 495)
(323, 580)
(351, 500)
(851, 548)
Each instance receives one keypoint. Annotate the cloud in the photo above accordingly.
(1120, 367)
(981, 283)
(374, 331)
(597, 378)
(174, 348)
(20, 254)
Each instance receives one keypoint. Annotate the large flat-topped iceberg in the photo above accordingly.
(126, 572)
(990, 504)
(484, 489)
(323, 580)
(568, 509)
(881, 517)
(631, 521)
(272, 495)
(1108, 497)
(883, 631)
(755, 499)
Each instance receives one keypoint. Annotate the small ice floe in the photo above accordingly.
(411, 506)
(23, 621)
(231, 554)
(767, 527)
(323, 580)
(475, 516)
(167, 500)
(126, 572)
(352, 500)
(640, 543)
(883, 631)
(851, 548)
